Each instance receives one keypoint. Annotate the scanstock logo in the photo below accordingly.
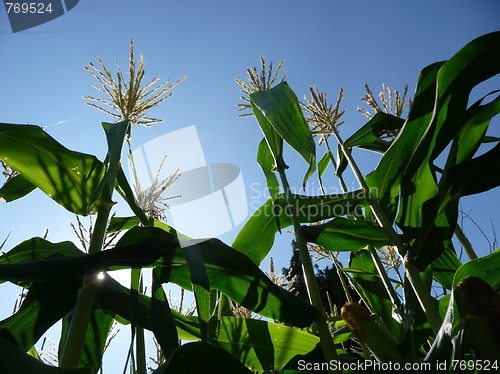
(212, 196)
(25, 14)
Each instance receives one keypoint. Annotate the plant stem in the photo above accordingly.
(385, 278)
(379, 214)
(140, 344)
(77, 333)
(341, 179)
(412, 272)
(329, 350)
(424, 297)
(342, 277)
(465, 243)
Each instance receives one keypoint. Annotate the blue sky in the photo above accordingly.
(331, 44)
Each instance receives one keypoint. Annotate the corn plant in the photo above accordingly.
(407, 204)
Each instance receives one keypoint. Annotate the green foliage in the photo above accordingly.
(397, 320)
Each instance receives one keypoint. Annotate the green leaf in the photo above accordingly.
(115, 136)
(342, 234)
(95, 340)
(70, 178)
(473, 64)
(200, 284)
(487, 268)
(381, 342)
(45, 304)
(470, 177)
(115, 299)
(162, 320)
(242, 281)
(322, 165)
(368, 137)
(16, 188)
(262, 345)
(429, 214)
(16, 361)
(473, 133)
(273, 139)
(37, 248)
(228, 271)
(445, 267)
(209, 359)
(266, 162)
(384, 181)
(125, 191)
(280, 107)
(257, 236)
(373, 291)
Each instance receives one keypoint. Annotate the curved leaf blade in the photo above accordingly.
(280, 106)
(262, 345)
(16, 188)
(70, 178)
(346, 235)
(257, 236)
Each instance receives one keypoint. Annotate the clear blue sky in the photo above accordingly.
(330, 44)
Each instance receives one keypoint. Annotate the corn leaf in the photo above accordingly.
(280, 107)
(342, 234)
(257, 236)
(70, 178)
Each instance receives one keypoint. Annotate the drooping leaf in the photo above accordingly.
(162, 320)
(369, 136)
(242, 281)
(115, 299)
(45, 304)
(70, 178)
(13, 360)
(262, 345)
(280, 107)
(95, 341)
(16, 188)
(37, 248)
(228, 271)
(257, 236)
(322, 165)
(209, 359)
(200, 285)
(123, 188)
(342, 234)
